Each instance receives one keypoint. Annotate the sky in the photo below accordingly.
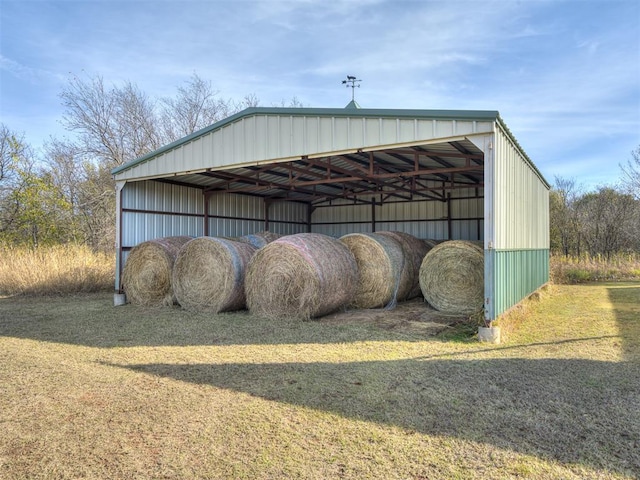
(564, 75)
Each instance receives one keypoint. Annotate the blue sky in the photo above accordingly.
(564, 75)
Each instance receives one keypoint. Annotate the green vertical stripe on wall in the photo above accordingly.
(516, 274)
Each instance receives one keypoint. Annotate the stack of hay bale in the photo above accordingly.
(305, 275)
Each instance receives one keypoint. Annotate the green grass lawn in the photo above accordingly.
(88, 390)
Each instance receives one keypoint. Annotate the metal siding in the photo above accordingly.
(232, 215)
(339, 230)
(372, 128)
(312, 134)
(521, 200)
(406, 130)
(518, 273)
(389, 132)
(411, 211)
(140, 227)
(356, 131)
(517, 226)
(325, 135)
(226, 138)
(340, 133)
(298, 134)
(269, 137)
(424, 219)
(155, 195)
(444, 128)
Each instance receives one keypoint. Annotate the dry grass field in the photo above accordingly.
(55, 270)
(88, 390)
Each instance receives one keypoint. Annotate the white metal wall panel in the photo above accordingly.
(140, 227)
(411, 211)
(338, 230)
(340, 214)
(521, 200)
(232, 205)
(424, 219)
(153, 209)
(269, 137)
(288, 211)
(233, 215)
(162, 197)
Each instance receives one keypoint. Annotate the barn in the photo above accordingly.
(436, 174)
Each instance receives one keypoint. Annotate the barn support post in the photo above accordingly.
(478, 229)
(205, 227)
(310, 210)
(373, 214)
(119, 297)
(267, 205)
(449, 222)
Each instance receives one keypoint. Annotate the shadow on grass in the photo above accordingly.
(92, 320)
(625, 299)
(572, 411)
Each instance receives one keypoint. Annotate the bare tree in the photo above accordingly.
(564, 224)
(113, 125)
(118, 124)
(196, 105)
(12, 146)
(606, 221)
(293, 103)
(14, 156)
(631, 173)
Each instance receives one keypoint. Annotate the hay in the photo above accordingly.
(259, 239)
(208, 274)
(452, 277)
(414, 250)
(430, 242)
(146, 276)
(301, 276)
(383, 275)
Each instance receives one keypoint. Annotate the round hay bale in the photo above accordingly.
(383, 274)
(208, 274)
(259, 239)
(146, 276)
(452, 277)
(301, 276)
(414, 250)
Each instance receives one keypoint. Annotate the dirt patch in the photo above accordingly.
(413, 317)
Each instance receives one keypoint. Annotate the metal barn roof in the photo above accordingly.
(317, 154)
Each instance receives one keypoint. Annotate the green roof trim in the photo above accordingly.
(481, 115)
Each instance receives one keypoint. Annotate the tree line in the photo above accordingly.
(65, 193)
(605, 221)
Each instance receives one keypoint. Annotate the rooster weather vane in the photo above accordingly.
(352, 82)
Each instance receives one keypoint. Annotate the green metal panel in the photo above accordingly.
(515, 275)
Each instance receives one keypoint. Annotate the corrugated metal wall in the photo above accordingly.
(153, 209)
(517, 261)
(233, 215)
(521, 200)
(424, 219)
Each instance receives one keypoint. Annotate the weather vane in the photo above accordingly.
(352, 82)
